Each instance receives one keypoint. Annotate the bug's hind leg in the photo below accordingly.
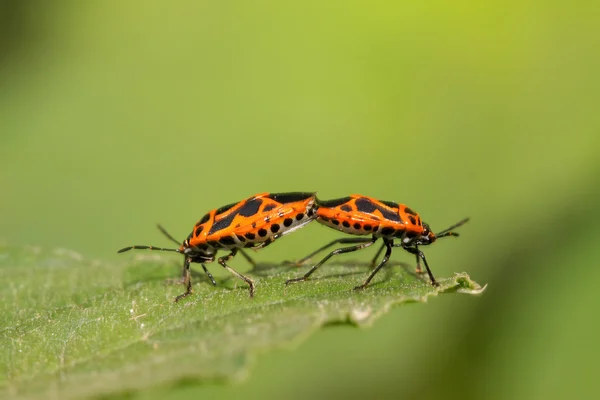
(303, 260)
(333, 253)
(248, 258)
(223, 261)
(385, 259)
(374, 260)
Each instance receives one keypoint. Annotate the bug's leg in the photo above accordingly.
(209, 275)
(374, 260)
(386, 257)
(420, 255)
(333, 253)
(223, 261)
(418, 270)
(248, 258)
(328, 245)
(187, 280)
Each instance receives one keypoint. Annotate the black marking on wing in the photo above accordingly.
(224, 208)
(222, 223)
(204, 219)
(292, 197)
(269, 207)
(334, 202)
(346, 207)
(390, 204)
(392, 216)
(410, 211)
(250, 208)
(367, 206)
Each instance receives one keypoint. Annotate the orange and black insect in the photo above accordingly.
(252, 223)
(361, 215)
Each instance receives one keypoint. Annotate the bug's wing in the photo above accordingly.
(259, 225)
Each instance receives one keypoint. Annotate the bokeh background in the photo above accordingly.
(117, 115)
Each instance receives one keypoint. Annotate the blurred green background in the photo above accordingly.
(117, 115)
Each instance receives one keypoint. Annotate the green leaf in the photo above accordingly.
(72, 327)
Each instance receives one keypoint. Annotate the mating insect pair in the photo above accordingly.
(258, 221)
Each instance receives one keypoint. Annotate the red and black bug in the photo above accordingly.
(252, 223)
(361, 215)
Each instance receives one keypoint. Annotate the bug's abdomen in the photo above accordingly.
(354, 223)
(285, 220)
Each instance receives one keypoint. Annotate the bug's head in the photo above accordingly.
(428, 237)
(200, 254)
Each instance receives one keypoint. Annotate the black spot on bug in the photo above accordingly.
(346, 224)
(262, 232)
(198, 230)
(204, 219)
(275, 228)
(375, 228)
(222, 223)
(310, 212)
(227, 241)
(250, 208)
(367, 227)
(346, 208)
(408, 210)
(254, 225)
(356, 226)
(387, 231)
(290, 197)
(365, 205)
(334, 202)
(241, 238)
(269, 207)
(288, 222)
(412, 220)
(250, 236)
(335, 222)
(387, 214)
(299, 216)
(390, 204)
(324, 218)
(225, 208)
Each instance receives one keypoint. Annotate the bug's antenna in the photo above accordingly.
(146, 248)
(448, 231)
(167, 234)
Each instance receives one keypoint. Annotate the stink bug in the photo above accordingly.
(252, 223)
(361, 215)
